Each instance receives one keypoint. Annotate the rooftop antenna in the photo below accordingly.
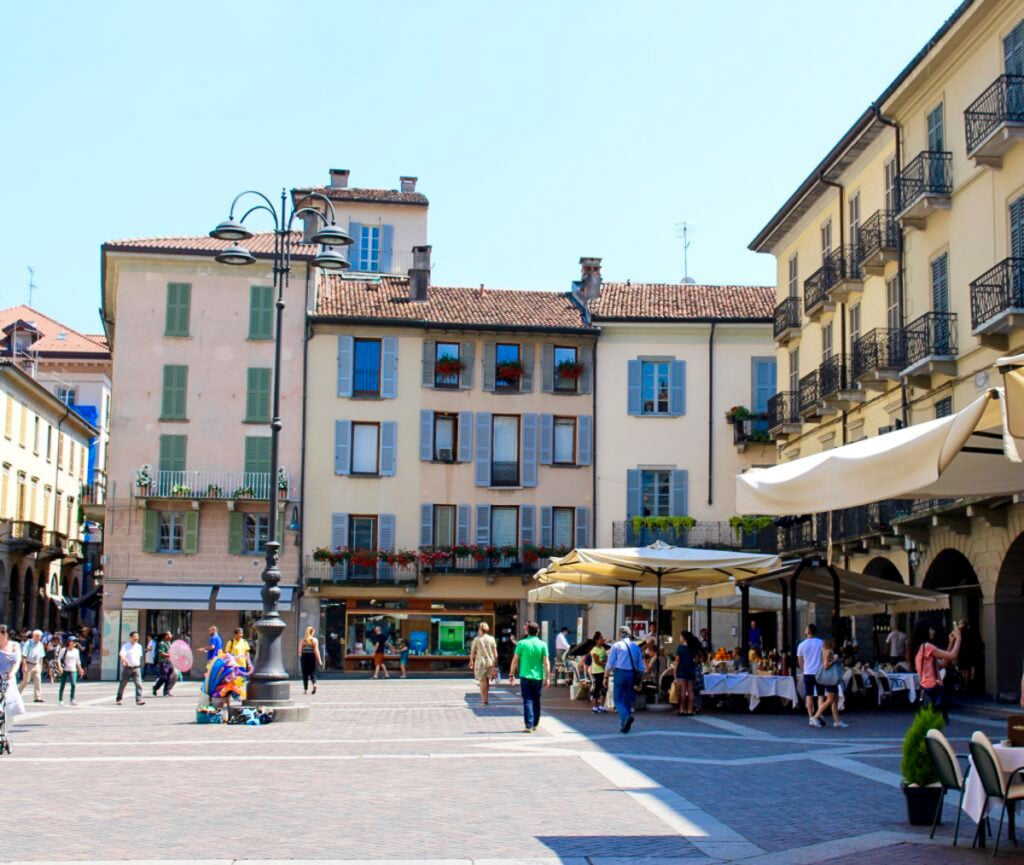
(684, 230)
(31, 284)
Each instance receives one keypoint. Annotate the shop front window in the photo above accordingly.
(434, 634)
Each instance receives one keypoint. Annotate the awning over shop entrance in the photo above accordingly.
(159, 596)
(246, 598)
(970, 453)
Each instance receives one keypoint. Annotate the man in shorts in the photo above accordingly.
(808, 657)
(483, 655)
(380, 642)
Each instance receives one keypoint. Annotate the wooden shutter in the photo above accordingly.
(257, 394)
(179, 295)
(936, 136)
(762, 383)
(527, 525)
(1013, 51)
(150, 531)
(174, 392)
(467, 354)
(236, 531)
(346, 358)
(342, 447)
(462, 525)
(677, 387)
(1017, 241)
(584, 450)
(529, 456)
(634, 401)
(355, 231)
(257, 455)
(261, 312)
(426, 525)
(429, 360)
(191, 545)
(940, 284)
(388, 447)
(634, 500)
(483, 448)
(582, 527)
(546, 525)
(586, 382)
(483, 525)
(547, 368)
(547, 439)
(387, 242)
(465, 437)
(526, 382)
(172, 453)
(490, 355)
(339, 539)
(678, 492)
(426, 435)
(385, 541)
(389, 367)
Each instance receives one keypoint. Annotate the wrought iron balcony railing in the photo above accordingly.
(56, 542)
(795, 534)
(862, 521)
(877, 350)
(1001, 102)
(783, 408)
(751, 430)
(877, 235)
(810, 391)
(816, 290)
(787, 316)
(996, 291)
(703, 535)
(932, 335)
(833, 376)
(840, 264)
(212, 485)
(355, 573)
(93, 494)
(928, 173)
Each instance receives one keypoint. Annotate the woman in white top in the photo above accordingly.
(70, 661)
(10, 660)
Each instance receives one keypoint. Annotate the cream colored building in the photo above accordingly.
(899, 283)
(44, 455)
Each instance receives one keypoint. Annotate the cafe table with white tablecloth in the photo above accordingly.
(1010, 759)
(750, 685)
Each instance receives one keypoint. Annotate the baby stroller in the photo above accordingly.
(5, 740)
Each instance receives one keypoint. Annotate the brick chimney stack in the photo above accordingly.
(408, 184)
(339, 178)
(419, 274)
(590, 282)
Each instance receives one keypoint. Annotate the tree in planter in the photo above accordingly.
(917, 769)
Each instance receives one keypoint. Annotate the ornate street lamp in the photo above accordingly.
(268, 684)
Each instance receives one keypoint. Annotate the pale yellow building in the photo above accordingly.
(899, 263)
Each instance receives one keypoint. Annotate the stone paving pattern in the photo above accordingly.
(418, 770)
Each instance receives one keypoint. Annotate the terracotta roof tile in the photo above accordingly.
(682, 302)
(56, 338)
(373, 196)
(387, 298)
(261, 244)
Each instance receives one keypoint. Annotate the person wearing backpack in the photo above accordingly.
(626, 663)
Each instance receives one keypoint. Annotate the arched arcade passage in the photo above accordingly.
(1007, 624)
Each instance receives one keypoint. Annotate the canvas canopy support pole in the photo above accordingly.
(710, 640)
(785, 618)
(744, 617)
(836, 636)
(615, 615)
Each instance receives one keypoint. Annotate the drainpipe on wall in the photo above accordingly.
(593, 440)
(711, 415)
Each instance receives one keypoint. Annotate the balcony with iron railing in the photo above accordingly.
(54, 545)
(816, 292)
(371, 572)
(795, 535)
(835, 384)
(24, 536)
(874, 520)
(842, 277)
(74, 551)
(702, 535)
(924, 185)
(877, 357)
(810, 394)
(213, 485)
(930, 346)
(787, 320)
(995, 120)
(997, 298)
(784, 413)
(878, 240)
(750, 430)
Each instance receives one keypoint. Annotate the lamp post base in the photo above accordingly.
(284, 710)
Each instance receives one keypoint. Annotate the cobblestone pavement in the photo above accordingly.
(418, 770)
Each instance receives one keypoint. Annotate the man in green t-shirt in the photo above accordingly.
(534, 668)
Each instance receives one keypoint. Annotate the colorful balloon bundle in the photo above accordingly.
(224, 678)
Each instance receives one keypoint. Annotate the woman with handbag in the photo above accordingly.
(829, 677)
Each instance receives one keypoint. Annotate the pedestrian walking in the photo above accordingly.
(403, 658)
(381, 642)
(754, 636)
(562, 645)
(150, 656)
(929, 659)
(309, 659)
(33, 653)
(483, 655)
(534, 667)
(70, 660)
(684, 667)
(215, 645)
(131, 668)
(10, 661)
(167, 676)
(239, 646)
(626, 663)
(599, 686)
(808, 659)
(52, 667)
(831, 675)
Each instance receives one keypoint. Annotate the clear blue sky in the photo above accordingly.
(541, 131)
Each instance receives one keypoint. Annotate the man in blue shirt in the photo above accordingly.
(754, 636)
(626, 663)
(216, 644)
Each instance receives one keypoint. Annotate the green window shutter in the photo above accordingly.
(172, 453)
(175, 390)
(257, 395)
(261, 312)
(179, 297)
(235, 529)
(257, 454)
(150, 531)
(191, 532)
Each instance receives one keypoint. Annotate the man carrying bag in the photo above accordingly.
(626, 662)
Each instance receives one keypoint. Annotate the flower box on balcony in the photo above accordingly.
(448, 366)
(511, 370)
(244, 493)
(180, 491)
(214, 492)
(570, 369)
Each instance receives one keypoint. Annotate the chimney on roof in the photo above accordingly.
(419, 274)
(339, 178)
(310, 224)
(590, 282)
(408, 184)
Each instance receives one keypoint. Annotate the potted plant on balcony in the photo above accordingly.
(743, 525)
(509, 370)
(920, 784)
(531, 554)
(737, 412)
(181, 491)
(282, 483)
(213, 491)
(244, 493)
(323, 554)
(448, 366)
(570, 369)
(363, 558)
(144, 479)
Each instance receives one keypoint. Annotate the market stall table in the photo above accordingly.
(1010, 759)
(751, 685)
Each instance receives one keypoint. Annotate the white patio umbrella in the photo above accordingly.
(585, 593)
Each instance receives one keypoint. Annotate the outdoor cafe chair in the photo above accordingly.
(947, 766)
(993, 781)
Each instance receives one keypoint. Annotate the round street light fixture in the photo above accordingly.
(231, 229)
(331, 235)
(330, 259)
(235, 254)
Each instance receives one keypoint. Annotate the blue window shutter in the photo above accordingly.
(762, 383)
(546, 525)
(547, 368)
(490, 356)
(385, 541)
(587, 361)
(527, 525)
(462, 525)
(465, 435)
(339, 539)
(677, 387)
(529, 474)
(582, 527)
(547, 439)
(426, 525)
(387, 242)
(468, 357)
(634, 505)
(427, 377)
(342, 447)
(634, 402)
(586, 443)
(388, 447)
(426, 435)
(526, 382)
(355, 231)
(483, 449)
(346, 350)
(678, 493)
(389, 367)
(483, 525)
